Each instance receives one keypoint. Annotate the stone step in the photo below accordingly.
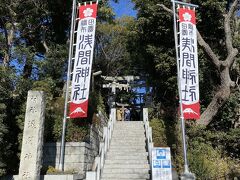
(122, 129)
(130, 133)
(129, 130)
(125, 126)
(126, 161)
(129, 122)
(136, 139)
(126, 166)
(128, 125)
(121, 179)
(130, 152)
(122, 139)
(132, 128)
(128, 136)
(114, 153)
(116, 126)
(127, 157)
(126, 143)
(125, 135)
(131, 139)
(126, 176)
(115, 138)
(127, 146)
(127, 171)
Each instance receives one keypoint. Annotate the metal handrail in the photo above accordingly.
(148, 131)
(99, 160)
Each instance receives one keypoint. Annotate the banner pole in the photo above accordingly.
(186, 169)
(62, 148)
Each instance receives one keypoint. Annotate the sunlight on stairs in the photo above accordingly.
(127, 157)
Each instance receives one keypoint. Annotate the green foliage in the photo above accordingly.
(3, 132)
(206, 162)
(112, 56)
(7, 125)
(228, 117)
(158, 131)
(143, 46)
(213, 154)
(34, 49)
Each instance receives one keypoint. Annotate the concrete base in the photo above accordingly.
(51, 177)
(188, 176)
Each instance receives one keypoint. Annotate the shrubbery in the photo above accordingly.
(211, 154)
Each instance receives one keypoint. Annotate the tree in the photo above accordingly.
(223, 65)
(223, 56)
(34, 37)
(112, 56)
(3, 127)
(155, 52)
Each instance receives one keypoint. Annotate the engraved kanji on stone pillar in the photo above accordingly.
(32, 142)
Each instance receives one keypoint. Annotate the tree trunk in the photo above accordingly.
(220, 97)
(218, 100)
(27, 70)
(9, 35)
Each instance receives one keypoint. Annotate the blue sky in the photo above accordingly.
(123, 8)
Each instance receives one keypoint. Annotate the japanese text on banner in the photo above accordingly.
(83, 61)
(189, 64)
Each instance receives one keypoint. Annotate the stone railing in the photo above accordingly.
(98, 164)
(148, 130)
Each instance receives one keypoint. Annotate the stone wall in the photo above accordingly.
(79, 156)
(96, 134)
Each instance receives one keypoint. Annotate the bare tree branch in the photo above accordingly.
(44, 43)
(100, 44)
(165, 8)
(231, 57)
(208, 50)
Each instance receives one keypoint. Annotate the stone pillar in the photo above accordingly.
(32, 142)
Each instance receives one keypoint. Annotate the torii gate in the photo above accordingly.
(114, 84)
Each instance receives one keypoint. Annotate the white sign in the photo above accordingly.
(161, 164)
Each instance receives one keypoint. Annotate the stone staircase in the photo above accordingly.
(127, 158)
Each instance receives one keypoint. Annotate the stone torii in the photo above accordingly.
(114, 84)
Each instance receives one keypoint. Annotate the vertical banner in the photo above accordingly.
(188, 70)
(83, 61)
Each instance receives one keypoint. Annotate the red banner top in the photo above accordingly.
(187, 15)
(88, 10)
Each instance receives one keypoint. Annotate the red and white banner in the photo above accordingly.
(189, 64)
(83, 61)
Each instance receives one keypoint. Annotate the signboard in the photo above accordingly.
(83, 61)
(161, 164)
(189, 64)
